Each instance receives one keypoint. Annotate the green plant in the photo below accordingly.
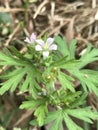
(48, 72)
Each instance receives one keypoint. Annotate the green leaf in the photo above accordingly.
(66, 81)
(32, 88)
(31, 104)
(71, 65)
(10, 60)
(57, 124)
(62, 46)
(88, 79)
(34, 122)
(64, 49)
(66, 64)
(14, 78)
(59, 63)
(11, 74)
(85, 114)
(89, 56)
(72, 49)
(55, 118)
(70, 124)
(79, 101)
(13, 59)
(30, 81)
(71, 97)
(51, 116)
(13, 81)
(41, 112)
(16, 52)
(5, 18)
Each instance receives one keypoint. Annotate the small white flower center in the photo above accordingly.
(46, 46)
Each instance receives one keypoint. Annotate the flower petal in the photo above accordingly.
(53, 47)
(27, 40)
(49, 40)
(45, 54)
(38, 48)
(33, 37)
(40, 42)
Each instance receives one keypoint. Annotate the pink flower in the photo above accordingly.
(45, 47)
(31, 39)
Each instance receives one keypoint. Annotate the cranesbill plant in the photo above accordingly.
(47, 71)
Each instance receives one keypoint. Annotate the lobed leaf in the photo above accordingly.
(85, 114)
(66, 81)
(31, 104)
(89, 56)
(41, 112)
(70, 124)
(62, 46)
(13, 81)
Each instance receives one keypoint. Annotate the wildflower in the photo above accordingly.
(45, 47)
(31, 39)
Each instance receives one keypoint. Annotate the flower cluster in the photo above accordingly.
(41, 45)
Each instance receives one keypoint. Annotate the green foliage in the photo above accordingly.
(40, 113)
(23, 70)
(89, 56)
(66, 81)
(50, 83)
(32, 103)
(56, 118)
(5, 18)
(88, 79)
(63, 48)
